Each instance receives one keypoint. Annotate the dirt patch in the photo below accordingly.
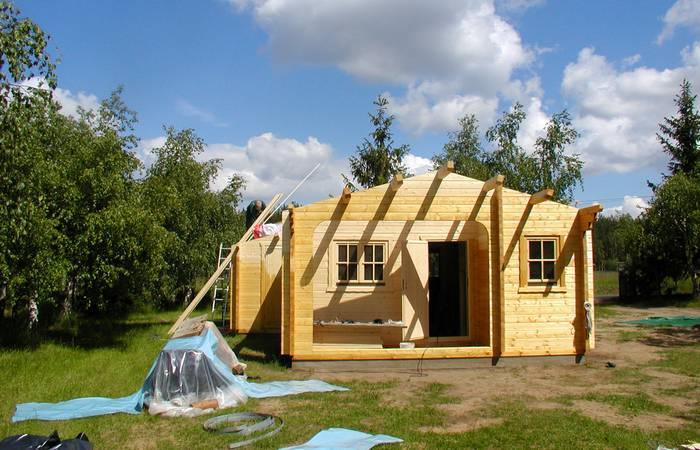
(557, 386)
(462, 425)
(611, 415)
(272, 406)
(673, 337)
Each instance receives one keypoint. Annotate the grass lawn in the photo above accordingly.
(606, 283)
(502, 407)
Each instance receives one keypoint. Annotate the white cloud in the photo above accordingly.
(417, 165)
(683, 13)
(631, 205)
(69, 101)
(618, 112)
(452, 57)
(271, 165)
(188, 109)
(144, 151)
(631, 60)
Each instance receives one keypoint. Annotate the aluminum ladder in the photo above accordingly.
(221, 285)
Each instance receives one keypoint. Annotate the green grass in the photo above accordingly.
(684, 361)
(633, 404)
(631, 335)
(71, 366)
(606, 311)
(606, 283)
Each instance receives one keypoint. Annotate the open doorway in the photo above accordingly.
(447, 285)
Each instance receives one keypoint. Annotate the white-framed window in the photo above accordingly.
(542, 260)
(360, 263)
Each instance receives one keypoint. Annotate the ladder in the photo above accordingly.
(221, 285)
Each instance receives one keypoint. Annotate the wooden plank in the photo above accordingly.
(491, 183)
(345, 196)
(202, 292)
(320, 353)
(191, 327)
(588, 215)
(541, 196)
(445, 169)
(396, 182)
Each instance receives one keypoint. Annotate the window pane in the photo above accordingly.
(342, 272)
(352, 271)
(368, 272)
(535, 270)
(535, 249)
(378, 272)
(548, 270)
(352, 253)
(342, 253)
(548, 249)
(368, 253)
(379, 253)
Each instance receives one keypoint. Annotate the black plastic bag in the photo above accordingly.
(51, 442)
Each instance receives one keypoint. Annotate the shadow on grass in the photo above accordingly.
(83, 332)
(669, 337)
(262, 348)
(653, 301)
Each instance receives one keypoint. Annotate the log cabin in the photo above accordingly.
(432, 267)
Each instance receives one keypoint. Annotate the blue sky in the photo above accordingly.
(276, 86)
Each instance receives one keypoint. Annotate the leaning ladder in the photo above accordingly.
(221, 285)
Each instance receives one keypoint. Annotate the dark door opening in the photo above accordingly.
(447, 285)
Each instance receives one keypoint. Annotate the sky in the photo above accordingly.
(275, 87)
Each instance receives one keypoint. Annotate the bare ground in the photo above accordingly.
(552, 386)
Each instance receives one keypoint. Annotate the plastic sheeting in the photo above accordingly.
(52, 442)
(186, 370)
(672, 321)
(344, 439)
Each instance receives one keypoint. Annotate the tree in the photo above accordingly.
(673, 220)
(464, 148)
(378, 160)
(680, 135)
(30, 267)
(557, 170)
(176, 190)
(22, 54)
(508, 158)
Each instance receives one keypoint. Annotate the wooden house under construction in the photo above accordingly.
(436, 266)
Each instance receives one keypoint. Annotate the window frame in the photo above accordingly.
(361, 263)
(542, 284)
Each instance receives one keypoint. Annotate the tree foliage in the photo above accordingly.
(23, 53)
(680, 135)
(665, 244)
(377, 158)
(78, 231)
(549, 166)
(464, 148)
(558, 170)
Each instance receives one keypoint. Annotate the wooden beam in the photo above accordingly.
(445, 169)
(396, 182)
(492, 183)
(588, 215)
(345, 196)
(200, 295)
(541, 196)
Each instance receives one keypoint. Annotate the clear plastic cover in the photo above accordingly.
(184, 382)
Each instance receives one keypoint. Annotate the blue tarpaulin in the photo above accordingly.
(133, 404)
(344, 439)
